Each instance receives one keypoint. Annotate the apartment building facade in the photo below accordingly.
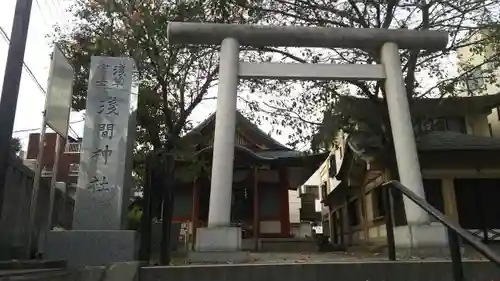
(69, 160)
(457, 158)
(482, 78)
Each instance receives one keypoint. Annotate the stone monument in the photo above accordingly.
(99, 234)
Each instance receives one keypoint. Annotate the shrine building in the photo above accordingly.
(264, 172)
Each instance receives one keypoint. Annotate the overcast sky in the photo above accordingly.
(44, 14)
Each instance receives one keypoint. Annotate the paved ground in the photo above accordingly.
(317, 257)
(334, 257)
(312, 257)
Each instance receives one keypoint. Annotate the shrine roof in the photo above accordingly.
(456, 141)
(292, 158)
(431, 142)
(358, 107)
(243, 123)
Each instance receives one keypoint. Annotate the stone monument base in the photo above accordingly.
(423, 240)
(223, 239)
(92, 247)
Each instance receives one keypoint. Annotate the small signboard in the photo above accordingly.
(59, 92)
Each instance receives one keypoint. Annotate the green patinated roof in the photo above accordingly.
(456, 141)
(433, 141)
(280, 153)
(427, 107)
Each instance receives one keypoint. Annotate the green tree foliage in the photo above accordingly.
(134, 214)
(482, 60)
(174, 79)
(302, 106)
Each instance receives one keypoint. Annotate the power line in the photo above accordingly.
(60, 10)
(55, 11)
(74, 132)
(26, 130)
(30, 73)
(26, 67)
(38, 129)
(41, 13)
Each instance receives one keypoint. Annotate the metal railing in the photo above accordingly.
(73, 147)
(454, 230)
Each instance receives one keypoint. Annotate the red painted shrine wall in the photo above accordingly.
(186, 211)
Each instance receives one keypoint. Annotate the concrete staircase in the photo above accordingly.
(279, 268)
(341, 271)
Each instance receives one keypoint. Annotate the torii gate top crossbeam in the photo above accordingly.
(294, 36)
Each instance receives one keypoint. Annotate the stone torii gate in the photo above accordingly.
(219, 236)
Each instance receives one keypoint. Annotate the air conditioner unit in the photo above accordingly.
(73, 169)
(46, 172)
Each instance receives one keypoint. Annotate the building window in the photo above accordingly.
(311, 189)
(433, 125)
(332, 171)
(456, 124)
(476, 80)
(324, 192)
(434, 194)
(452, 124)
(490, 129)
(353, 212)
(378, 203)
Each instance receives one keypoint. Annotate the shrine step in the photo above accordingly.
(352, 271)
(35, 275)
(31, 264)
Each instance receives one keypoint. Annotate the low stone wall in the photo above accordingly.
(14, 218)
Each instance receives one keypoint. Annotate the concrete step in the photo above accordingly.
(122, 271)
(348, 271)
(33, 270)
(36, 275)
(31, 264)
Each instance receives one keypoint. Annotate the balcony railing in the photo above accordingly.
(73, 147)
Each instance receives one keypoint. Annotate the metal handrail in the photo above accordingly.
(454, 229)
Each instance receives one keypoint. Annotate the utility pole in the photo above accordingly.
(10, 88)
